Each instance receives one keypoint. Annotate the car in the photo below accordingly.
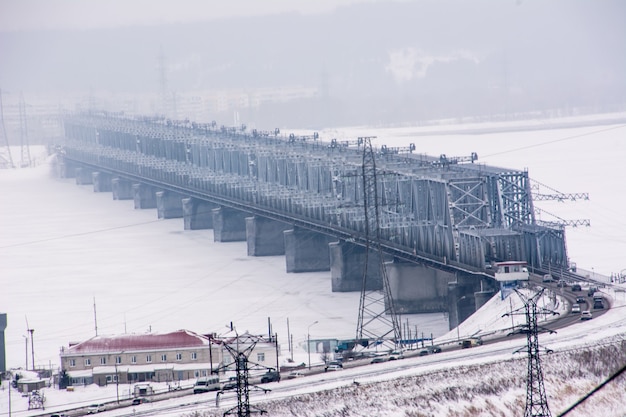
(396, 354)
(434, 349)
(139, 400)
(231, 383)
(270, 376)
(58, 415)
(333, 367)
(575, 308)
(295, 374)
(591, 291)
(547, 278)
(598, 304)
(561, 283)
(581, 300)
(379, 359)
(466, 344)
(576, 287)
(95, 408)
(586, 315)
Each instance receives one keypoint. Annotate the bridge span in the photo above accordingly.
(443, 220)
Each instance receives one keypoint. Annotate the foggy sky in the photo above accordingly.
(91, 14)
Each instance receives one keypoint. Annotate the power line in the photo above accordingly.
(555, 141)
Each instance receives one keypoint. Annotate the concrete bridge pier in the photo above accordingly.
(466, 295)
(265, 236)
(144, 196)
(84, 176)
(306, 251)
(197, 214)
(416, 288)
(169, 205)
(122, 189)
(229, 225)
(101, 182)
(65, 168)
(347, 262)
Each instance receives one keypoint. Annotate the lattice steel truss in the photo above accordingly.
(6, 160)
(455, 215)
(377, 320)
(240, 352)
(536, 399)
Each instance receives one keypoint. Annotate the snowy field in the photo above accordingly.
(63, 246)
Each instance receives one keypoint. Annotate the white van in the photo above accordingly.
(206, 384)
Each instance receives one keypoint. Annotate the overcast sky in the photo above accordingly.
(54, 14)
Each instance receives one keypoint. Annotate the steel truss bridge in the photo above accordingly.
(449, 213)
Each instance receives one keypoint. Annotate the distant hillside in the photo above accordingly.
(371, 63)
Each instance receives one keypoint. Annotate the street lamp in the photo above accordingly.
(308, 341)
(458, 323)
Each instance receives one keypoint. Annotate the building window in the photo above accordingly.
(103, 361)
(196, 374)
(118, 360)
(194, 356)
(72, 363)
(87, 362)
(133, 359)
(148, 358)
(179, 356)
(163, 358)
(260, 357)
(111, 378)
(204, 373)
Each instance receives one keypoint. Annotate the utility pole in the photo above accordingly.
(536, 399)
(32, 346)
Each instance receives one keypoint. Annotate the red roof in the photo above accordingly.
(150, 341)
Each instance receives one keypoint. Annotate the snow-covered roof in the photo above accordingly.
(131, 342)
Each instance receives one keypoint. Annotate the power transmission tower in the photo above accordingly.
(536, 399)
(377, 315)
(6, 160)
(240, 360)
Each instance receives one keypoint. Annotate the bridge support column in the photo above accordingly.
(229, 225)
(101, 182)
(347, 262)
(122, 189)
(197, 214)
(416, 288)
(65, 168)
(466, 295)
(265, 236)
(482, 297)
(169, 205)
(83, 176)
(306, 251)
(144, 196)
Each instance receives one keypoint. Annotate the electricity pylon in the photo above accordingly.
(240, 359)
(377, 315)
(6, 160)
(536, 399)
